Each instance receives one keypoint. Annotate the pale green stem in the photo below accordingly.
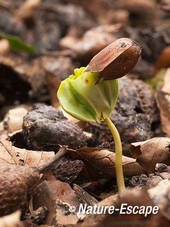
(118, 158)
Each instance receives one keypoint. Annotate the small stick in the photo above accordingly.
(62, 151)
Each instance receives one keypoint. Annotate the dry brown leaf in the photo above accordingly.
(100, 163)
(150, 152)
(14, 155)
(163, 101)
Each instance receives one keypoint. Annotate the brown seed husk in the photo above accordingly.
(115, 60)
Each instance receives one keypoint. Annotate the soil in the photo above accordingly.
(33, 126)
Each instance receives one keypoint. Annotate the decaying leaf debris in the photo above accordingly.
(68, 35)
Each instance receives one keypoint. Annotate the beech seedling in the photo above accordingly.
(90, 94)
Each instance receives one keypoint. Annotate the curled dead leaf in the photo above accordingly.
(150, 152)
(10, 154)
(100, 163)
(115, 60)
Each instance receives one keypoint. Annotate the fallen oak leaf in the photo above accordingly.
(100, 163)
(150, 152)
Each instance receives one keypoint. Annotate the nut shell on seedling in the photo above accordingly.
(116, 60)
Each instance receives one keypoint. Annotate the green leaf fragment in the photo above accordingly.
(17, 44)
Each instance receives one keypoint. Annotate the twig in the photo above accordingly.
(62, 151)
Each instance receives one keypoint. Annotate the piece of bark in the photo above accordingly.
(46, 128)
(163, 101)
(83, 196)
(100, 163)
(67, 169)
(150, 152)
